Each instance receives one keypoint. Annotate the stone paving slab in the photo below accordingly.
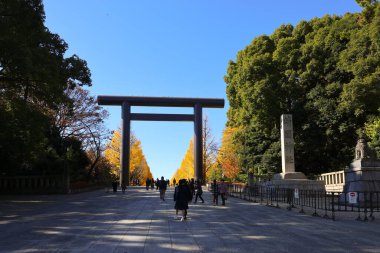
(139, 221)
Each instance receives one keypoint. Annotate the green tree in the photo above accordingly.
(34, 73)
(325, 72)
(372, 132)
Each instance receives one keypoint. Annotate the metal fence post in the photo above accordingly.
(315, 203)
(365, 206)
(371, 206)
(325, 216)
(332, 206)
(302, 199)
(358, 218)
(277, 197)
(289, 199)
(271, 196)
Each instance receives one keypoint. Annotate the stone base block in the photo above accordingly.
(365, 163)
(301, 184)
(363, 175)
(362, 186)
(289, 175)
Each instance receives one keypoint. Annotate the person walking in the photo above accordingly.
(147, 183)
(199, 191)
(157, 183)
(223, 192)
(182, 195)
(215, 192)
(152, 183)
(162, 188)
(114, 185)
(175, 200)
(174, 182)
(192, 186)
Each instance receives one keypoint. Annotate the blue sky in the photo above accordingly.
(170, 48)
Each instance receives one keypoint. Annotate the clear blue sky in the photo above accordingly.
(170, 48)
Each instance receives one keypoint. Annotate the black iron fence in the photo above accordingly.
(361, 205)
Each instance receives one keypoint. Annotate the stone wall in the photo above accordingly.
(34, 184)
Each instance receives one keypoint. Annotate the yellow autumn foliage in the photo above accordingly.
(227, 156)
(186, 170)
(139, 169)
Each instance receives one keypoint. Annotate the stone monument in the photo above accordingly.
(363, 177)
(363, 174)
(287, 150)
(289, 178)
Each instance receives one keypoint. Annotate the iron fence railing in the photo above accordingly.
(321, 203)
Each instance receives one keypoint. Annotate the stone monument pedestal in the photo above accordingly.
(289, 175)
(363, 176)
(301, 184)
(294, 180)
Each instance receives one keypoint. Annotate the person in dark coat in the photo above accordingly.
(162, 188)
(157, 183)
(181, 197)
(199, 192)
(215, 192)
(147, 183)
(152, 183)
(192, 186)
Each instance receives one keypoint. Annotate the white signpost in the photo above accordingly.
(296, 193)
(352, 197)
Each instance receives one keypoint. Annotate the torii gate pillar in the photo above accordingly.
(125, 143)
(198, 151)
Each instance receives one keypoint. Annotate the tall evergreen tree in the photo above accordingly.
(326, 72)
(34, 74)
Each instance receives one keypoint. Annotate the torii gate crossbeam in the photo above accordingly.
(127, 101)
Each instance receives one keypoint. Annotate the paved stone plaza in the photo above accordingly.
(139, 222)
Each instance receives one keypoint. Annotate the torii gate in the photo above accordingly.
(127, 101)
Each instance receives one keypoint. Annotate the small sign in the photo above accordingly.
(352, 197)
(296, 193)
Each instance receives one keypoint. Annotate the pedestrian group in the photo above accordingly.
(185, 190)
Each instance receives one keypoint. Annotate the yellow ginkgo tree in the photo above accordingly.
(186, 170)
(227, 156)
(139, 169)
(209, 153)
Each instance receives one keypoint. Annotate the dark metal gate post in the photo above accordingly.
(125, 143)
(198, 152)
